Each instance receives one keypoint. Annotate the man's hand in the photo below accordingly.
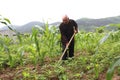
(67, 44)
(75, 31)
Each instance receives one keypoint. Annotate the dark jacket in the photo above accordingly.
(67, 30)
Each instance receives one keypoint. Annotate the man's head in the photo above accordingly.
(65, 19)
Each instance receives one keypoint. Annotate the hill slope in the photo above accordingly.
(89, 24)
(83, 23)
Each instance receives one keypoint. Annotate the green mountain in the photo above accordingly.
(90, 24)
(83, 24)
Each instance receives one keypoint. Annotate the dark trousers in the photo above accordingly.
(69, 52)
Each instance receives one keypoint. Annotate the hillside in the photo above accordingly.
(83, 23)
(26, 28)
(90, 24)
(87, 24)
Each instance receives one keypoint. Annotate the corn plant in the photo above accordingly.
(34, 35)
(7, 22)
(102, 41)
(111, 69)
(87, 41)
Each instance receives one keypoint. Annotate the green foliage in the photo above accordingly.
(100, 29)
(111, 69)
(115, 25)
(41, 50)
